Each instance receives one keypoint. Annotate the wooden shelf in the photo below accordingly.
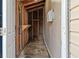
(25, 27)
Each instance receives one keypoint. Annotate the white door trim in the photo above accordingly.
(4, 28)
(64, 28)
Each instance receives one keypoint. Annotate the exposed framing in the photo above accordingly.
(24, 6)
(35, 9)
(38, 22)
(21, 44)
(64, 28)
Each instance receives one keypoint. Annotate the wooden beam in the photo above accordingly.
(33, 2)
(30, 10)
(37, 5)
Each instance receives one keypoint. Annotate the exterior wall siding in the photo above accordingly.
(74, 29)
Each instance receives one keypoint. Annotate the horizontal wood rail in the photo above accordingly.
(34, 6)
(34, 2)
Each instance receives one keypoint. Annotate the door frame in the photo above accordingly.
(64, 28)
(4, 26)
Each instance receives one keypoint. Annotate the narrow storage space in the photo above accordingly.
(35, 20)
(35, 47)
(29, 29)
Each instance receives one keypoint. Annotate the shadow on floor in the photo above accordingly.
(35, 49)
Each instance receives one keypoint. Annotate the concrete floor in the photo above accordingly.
(35, 49)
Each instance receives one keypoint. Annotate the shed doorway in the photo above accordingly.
(29, 29)
(35, 47)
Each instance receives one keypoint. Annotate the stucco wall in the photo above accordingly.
(52, 30)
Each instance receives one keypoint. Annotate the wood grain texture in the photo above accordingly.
(21, 38)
